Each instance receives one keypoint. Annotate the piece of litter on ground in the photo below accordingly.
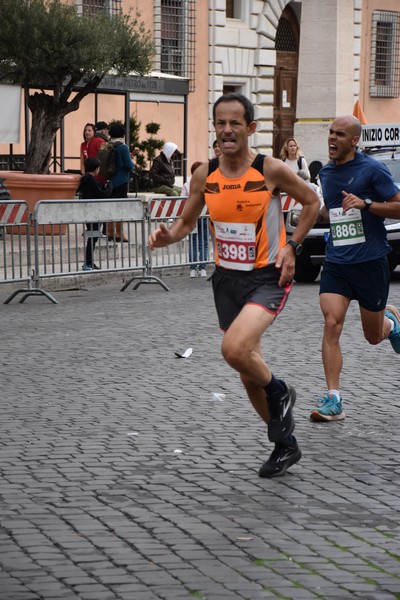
(218, 397)
(177, 451)
(185, 354)
(132, 433)
(244, 539)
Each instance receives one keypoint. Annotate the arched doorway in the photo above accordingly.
(285, 78)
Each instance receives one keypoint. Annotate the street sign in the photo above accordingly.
(380, 134)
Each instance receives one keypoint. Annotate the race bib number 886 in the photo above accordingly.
(346, 227)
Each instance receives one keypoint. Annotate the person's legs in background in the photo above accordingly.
(202, 228)
(193, 254)
(92, 235)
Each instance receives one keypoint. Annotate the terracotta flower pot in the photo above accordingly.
(32, 188)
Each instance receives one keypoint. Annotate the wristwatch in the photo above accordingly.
(296, 246)
(367, 203)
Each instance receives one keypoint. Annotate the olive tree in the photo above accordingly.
(59, 57)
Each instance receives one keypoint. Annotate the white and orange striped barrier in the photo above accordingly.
(13, 212)
(169, 208)
(288, 203)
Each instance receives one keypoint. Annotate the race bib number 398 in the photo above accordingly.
(346, 227)
(236, 245)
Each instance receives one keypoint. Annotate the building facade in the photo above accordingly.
(304, 62)
(301, 62)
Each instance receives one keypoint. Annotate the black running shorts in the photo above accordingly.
(233, 289)
(366, 282)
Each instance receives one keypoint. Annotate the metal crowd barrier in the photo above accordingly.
(58, 232)
(60, 237)
(15, 244)
(167, 210)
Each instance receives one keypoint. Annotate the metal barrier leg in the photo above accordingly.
(30, 292)
(144, 279)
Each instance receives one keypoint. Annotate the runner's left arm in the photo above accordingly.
(278, 176)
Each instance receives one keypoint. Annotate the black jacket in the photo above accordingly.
(162, 172)
(89, 188)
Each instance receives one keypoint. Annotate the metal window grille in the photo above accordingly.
(285, 40)
(92, 7)
(385, 54)
(177, 162)
(175, 38)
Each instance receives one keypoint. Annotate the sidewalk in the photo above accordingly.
(130, 474)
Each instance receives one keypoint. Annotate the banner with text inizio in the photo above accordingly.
(380, 134)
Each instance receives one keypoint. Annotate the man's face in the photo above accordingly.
(231, 128)
(342, 140)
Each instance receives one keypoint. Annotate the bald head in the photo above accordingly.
(349, 123)
(343, 138)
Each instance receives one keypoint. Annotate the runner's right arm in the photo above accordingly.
(164, 236)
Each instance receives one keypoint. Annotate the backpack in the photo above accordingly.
(106, 156)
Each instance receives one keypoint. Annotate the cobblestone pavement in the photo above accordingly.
(129, 474)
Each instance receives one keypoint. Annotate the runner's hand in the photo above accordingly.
(285, 262)
(160, 237)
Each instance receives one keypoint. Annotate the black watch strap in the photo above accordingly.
(367, 203)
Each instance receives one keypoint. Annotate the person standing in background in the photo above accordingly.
(198, 240)
(120, 181)
(90, 188)
(292, 156)
(216, 150)
(88, 147)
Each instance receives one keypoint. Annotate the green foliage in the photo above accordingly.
(46, 41)
(45, 44)
(152, 128)
(151, 144)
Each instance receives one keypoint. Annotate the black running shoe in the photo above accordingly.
(281, 459)
(281, 422)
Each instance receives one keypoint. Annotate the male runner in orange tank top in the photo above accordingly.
(254, 264)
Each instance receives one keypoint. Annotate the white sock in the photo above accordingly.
(391, 325)
(334, 393)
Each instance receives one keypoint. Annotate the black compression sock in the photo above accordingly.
(275, 386)
(289, 441)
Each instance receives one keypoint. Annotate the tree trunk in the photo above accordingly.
(47, 115)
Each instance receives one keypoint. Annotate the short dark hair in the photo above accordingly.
(245, 102)
(117, 130)
(101, 125)
(91, 164)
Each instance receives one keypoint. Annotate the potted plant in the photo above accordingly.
(59, 57)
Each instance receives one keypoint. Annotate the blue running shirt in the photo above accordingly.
(364, 177)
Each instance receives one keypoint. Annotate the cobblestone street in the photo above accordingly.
(130, 474)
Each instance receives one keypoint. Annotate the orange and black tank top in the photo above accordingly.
(246, 219)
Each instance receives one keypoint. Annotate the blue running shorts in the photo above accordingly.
(367, 282)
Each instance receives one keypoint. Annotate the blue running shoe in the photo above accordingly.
(330, 410)
(87, 268)
(394, 338)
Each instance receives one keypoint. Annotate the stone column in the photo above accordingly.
(328, 78)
